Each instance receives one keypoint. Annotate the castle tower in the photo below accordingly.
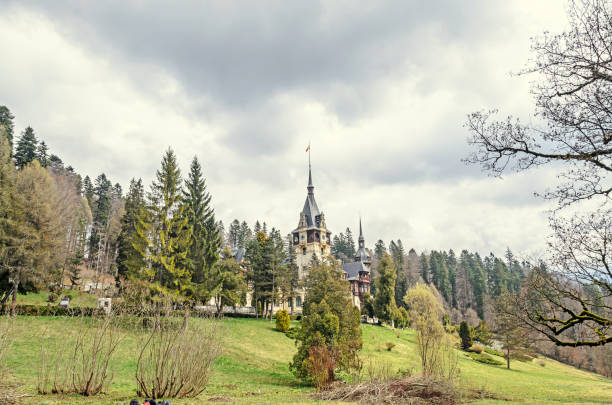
(311, 237)
(362, 255)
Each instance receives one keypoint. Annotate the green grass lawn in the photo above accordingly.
(79, 299)
(254, 367)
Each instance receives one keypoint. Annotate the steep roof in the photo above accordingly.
(311, 210)
(352, 270)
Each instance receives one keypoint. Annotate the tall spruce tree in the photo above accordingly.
(166, 235)
(129, 260)
(384, 302)
(42, 154)
(380, 249)
(204, 250)
(6, 121)
(26, 149)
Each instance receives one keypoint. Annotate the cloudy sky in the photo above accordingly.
(380, 89)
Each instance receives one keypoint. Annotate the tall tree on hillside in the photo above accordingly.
(6, 121)
(166, 235)
(233, 233)
(259, 256)
(31, 231)
(245, 235)
(88, 191)
(42, 154)
(204, 250)
(26, 148)
(129, 260)
(384, 302)
(330, 327)
(424, 261)
(379, 249)
(573, 135)
(350, 244)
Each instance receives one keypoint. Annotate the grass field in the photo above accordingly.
(79, 299)
(254, 367)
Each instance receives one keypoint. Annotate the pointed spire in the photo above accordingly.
(310, 186)
(360, 229)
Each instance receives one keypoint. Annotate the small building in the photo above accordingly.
(358, 272)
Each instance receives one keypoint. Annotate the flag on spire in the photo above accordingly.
(308, 148)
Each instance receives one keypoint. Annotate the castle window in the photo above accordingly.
(304, 251)
(322, 251)
(298, 301)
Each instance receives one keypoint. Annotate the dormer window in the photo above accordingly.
(304, 251)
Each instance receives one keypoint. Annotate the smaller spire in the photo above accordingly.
(360, 230)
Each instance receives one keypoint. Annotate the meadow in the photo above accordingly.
(254, 367)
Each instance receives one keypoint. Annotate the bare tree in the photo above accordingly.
(570, 298)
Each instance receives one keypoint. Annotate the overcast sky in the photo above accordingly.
(380, 89)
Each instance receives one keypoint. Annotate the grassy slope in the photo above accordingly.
(254, 368)
(79, 299)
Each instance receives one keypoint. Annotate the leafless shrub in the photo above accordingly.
(176, 362)
(83, 366)
(379, 371)
(321, 365)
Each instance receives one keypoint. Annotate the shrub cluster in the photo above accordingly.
(484, 358)
(282, 321)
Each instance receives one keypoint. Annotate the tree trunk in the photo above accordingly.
(14, 300)
(508, 358)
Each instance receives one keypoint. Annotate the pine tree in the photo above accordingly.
(6, 121)
(245, 235)
(26, 148)
(88, 191)
(233, 233)
(204, 250)
(380, 249)
(330, 326)
(350, 244)
(464, 334)
(129, 260)
(166, 235)
(42, 154)
(384, 301)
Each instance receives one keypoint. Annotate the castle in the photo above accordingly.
(311, 239)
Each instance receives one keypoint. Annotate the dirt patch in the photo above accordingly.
(219, 399)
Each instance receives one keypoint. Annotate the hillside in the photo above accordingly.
(254, 368)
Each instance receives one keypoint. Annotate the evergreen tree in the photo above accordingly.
(88, 191)
(166, 236)
(42, 154)
(231, 283)
(129, 260)
(245, 235)
(425, 268)
(464, 334)
(384, 301)
(350, 244)
(233, 233)
(330, 327)
(6, 121)
(379, 249)
(26, 148)
(204, 250)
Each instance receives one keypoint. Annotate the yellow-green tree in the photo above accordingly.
(426, 315)
(164, 235)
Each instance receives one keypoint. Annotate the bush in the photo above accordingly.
(83, 366)
(282, 321)
(52, 297)
(464, 334)
(321, 364)
(476, 349)
(176, 362)
(493, 352)
(390, 346)
(522, 357)
(292, 332)
(541, 363)
(484, 358)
